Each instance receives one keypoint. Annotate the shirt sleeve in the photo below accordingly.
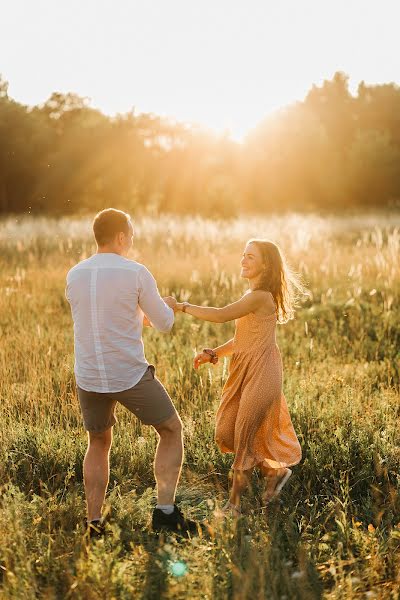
(151, 303)
(66, 291)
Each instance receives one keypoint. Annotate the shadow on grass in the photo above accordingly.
(156, 579)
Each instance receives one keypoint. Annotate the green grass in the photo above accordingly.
(337, 533)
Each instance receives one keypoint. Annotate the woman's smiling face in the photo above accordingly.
(252, 262)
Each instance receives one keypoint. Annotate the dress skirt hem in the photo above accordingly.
(256, 461)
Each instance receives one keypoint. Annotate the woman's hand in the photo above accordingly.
(201, 359)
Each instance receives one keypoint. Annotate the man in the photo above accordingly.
(109, 297)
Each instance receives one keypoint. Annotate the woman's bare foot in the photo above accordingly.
(274, 483)
(228, 510)
(232, 509)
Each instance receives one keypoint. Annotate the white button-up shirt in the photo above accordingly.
(108, 295)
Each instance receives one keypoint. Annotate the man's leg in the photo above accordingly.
(150, 402)
(167, 469)
(96, 471)
(168, 459)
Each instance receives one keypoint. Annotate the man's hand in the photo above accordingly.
(171, 302)
(146, 321)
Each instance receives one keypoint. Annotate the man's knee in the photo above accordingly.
(100, 440)
(172, 427)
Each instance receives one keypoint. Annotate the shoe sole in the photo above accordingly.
(280, 486)
(284, 481)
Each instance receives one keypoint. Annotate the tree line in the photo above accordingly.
(331, 151)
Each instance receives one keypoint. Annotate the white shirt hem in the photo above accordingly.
(112, 391)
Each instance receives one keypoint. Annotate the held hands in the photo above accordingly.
(171, 302)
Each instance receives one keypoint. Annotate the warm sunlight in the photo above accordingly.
(199, 299)
(220, 64)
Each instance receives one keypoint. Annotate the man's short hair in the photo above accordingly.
(107, 223)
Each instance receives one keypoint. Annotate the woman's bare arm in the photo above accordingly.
(225, 349)
(247, 304)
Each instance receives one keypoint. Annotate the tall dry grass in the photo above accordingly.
(337, 532)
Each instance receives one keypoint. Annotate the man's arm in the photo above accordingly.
(151, 303)
(169, 301)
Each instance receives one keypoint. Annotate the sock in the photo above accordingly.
(167, 509)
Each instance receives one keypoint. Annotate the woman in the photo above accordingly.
(253, 421)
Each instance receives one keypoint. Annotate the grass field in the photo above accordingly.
(336, 533)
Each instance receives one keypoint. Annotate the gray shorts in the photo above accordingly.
(148, 400)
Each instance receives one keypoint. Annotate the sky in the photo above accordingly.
(223, 64)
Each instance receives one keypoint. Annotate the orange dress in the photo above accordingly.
(253, 420)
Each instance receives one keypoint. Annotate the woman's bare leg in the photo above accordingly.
(240, 483)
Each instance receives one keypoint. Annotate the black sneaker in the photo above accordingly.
(96, 528)
(174, 522)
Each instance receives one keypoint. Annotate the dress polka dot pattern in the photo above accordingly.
(253, 420)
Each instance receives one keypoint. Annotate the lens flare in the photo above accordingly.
(178, 568)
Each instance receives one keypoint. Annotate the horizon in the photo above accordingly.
(223, 68)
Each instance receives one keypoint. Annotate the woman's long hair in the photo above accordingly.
(284, 284)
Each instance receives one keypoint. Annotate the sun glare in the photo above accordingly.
(223, 65)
